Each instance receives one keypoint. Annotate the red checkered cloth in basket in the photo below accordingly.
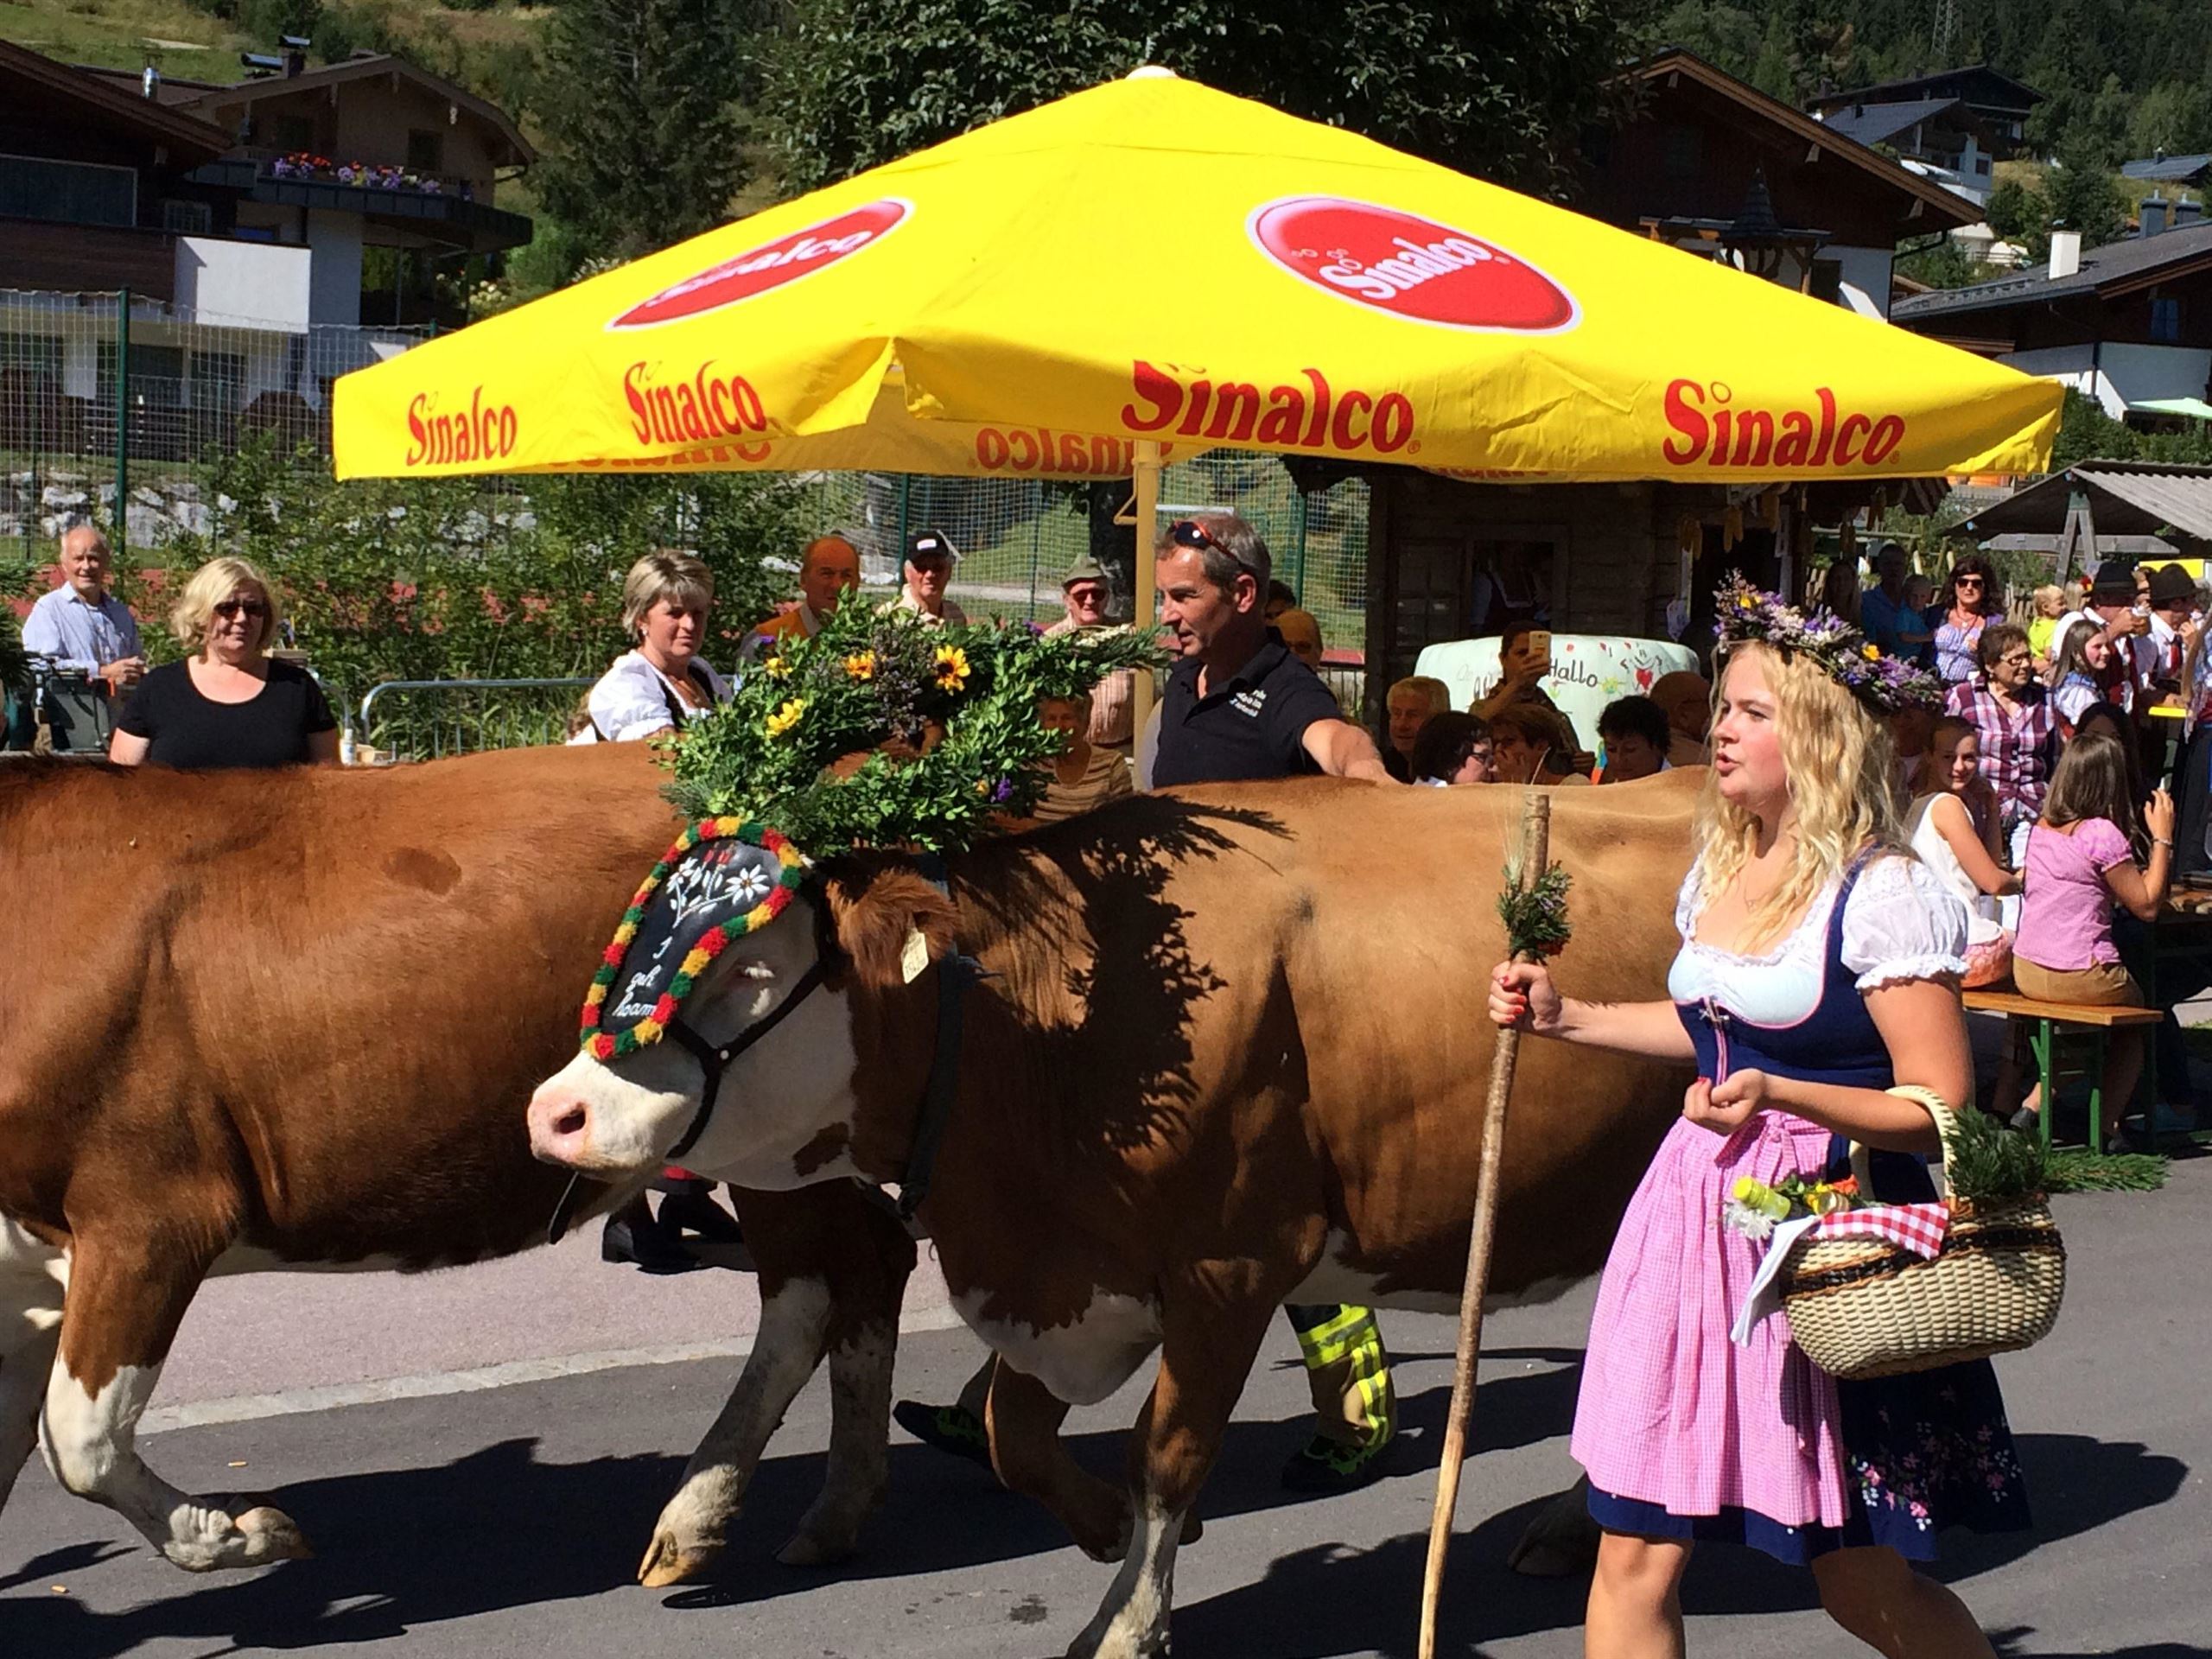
(1916, 1227)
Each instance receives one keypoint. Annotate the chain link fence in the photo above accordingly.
(109, 394)
(111, 407)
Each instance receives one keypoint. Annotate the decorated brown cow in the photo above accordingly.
(289, 1021)
(1156, 1069)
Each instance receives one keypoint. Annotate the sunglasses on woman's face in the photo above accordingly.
(1969, 584)
(231, 607)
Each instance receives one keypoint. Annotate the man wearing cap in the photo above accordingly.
(2173, 613)
(1086, 596)
(829, 569)
(928, 571)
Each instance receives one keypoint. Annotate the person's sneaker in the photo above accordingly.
(1325, 1466)
(2026, 1120)
(697, 1212)
(949, 1428)
(647, 1248)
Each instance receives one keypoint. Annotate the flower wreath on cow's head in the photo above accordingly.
(881, 730)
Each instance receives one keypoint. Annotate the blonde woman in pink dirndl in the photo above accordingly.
(1819, 966)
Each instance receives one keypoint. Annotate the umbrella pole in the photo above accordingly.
(1536, 854)
(1144, 508)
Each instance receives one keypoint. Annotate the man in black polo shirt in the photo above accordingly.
(1240, 707)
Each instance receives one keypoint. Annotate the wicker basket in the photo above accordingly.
(1862, 1308)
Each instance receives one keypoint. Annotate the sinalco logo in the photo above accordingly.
(1409, 266)
(771, 265)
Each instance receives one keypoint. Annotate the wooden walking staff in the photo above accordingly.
(1534, 908)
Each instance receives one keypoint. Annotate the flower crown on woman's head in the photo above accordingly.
(1884, 684)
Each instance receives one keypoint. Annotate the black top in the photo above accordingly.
(1251, 726)
(188, 730)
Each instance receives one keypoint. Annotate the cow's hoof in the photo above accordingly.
(669, 1562)
(273, 1535)
(1103, 1545)
(1118, 1641)
(810, 1548)
(258, 1537)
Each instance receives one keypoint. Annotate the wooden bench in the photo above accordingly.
(2050, 1020)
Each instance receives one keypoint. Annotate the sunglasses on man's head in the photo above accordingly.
(1190, 533)
(231, 607)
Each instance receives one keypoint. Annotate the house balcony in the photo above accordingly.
(39, 253)
(446, 216)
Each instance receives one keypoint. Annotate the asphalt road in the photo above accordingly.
(479, 1456)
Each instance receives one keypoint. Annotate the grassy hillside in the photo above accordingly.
(184, 39)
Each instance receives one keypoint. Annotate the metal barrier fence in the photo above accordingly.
(466, 716)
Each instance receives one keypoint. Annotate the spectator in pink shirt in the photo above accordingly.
(2078, 866)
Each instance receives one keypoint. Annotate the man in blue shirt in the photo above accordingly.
(81, 625)
(1881, 609)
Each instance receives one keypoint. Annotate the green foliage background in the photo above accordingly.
(1497, 87)
(440, 579)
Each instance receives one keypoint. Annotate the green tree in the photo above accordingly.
(1728, 37)
(2085, 197)
(2016, 212)
(1499, 87)
(2175, 116)
(1943, 263)
(642, 98)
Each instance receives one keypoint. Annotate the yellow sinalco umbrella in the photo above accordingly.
(1153, 262)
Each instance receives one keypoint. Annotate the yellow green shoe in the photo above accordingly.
(1327, 1465)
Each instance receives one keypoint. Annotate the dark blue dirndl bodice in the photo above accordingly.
(1925, 1450)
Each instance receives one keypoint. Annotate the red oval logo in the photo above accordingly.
(1409, 266)
(772, 265)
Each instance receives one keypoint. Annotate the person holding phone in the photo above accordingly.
(1524, 659)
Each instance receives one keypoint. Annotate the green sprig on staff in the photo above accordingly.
(1534, 916)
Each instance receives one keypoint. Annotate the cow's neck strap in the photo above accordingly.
(955, 974)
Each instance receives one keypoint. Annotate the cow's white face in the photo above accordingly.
(786, 1095)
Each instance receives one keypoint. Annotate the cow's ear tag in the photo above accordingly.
(915, 956)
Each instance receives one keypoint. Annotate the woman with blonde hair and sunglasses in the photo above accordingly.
(1816, 993)
(228, 703)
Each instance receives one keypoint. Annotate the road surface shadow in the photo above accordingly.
(909, 1536)
(1334, 1599)
(408, 1549)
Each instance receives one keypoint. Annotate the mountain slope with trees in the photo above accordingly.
(2120, 78)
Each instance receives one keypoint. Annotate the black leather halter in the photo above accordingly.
(956, 972)
(711, 1060)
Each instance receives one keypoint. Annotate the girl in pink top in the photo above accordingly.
(2078, 866)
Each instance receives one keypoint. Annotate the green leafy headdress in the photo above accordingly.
(957, 707)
